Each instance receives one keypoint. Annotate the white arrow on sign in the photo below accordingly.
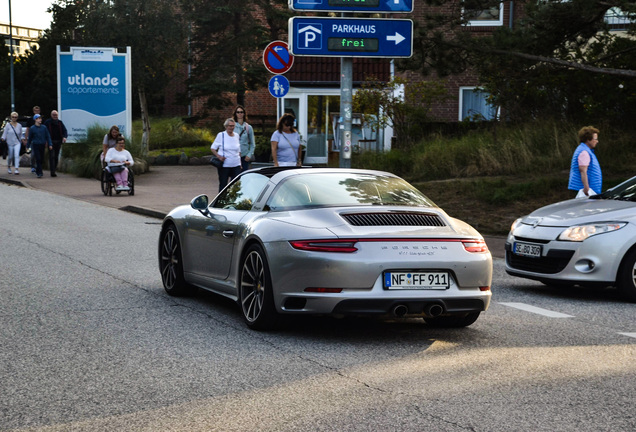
(397, 38)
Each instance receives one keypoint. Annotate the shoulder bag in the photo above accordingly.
(215, 160)
(292, 147)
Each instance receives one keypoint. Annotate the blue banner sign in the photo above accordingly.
(94, 89)
(369, 6)
(350, 37)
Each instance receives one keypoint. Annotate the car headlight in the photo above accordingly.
(515, 224)
(581, 232)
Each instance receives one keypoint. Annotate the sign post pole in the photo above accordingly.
(347, 37)
(346, 109)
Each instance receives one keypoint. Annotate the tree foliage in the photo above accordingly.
(561, 59)
(404, 105)
(227, 39)
(154, 30)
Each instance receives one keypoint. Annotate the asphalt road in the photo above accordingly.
(89, 341)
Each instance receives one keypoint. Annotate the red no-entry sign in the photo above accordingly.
(277, 58)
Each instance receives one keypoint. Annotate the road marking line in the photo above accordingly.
(629, 334)
(537, 310)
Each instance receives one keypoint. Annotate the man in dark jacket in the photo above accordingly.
(58, 133)
(31, 122)
(39, 138)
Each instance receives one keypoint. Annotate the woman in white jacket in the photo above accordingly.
(13, 136)
(118, 159)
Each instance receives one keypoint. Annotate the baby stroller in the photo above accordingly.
(109, 184)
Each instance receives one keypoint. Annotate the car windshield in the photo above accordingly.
(625, 191)
(345, 189)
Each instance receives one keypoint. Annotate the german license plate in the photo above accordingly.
(527, 249)
(416, 280)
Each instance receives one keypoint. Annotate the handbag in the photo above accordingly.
(215, 160)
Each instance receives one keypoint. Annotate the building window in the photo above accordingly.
(619, 20)
(474, 106)
(492, 16)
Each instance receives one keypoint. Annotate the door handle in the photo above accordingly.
(228, 233)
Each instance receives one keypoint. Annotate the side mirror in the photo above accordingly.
(200, 203)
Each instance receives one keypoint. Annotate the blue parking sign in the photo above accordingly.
(310, 36)
(350, 37)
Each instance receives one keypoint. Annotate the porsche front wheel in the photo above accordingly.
(171, 264)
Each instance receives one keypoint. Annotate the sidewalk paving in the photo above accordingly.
(156, 192)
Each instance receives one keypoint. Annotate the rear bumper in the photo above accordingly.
(386, 307)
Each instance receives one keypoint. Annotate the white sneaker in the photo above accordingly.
(10, 171)
(17, 172)
(119, 188)
(125, 188)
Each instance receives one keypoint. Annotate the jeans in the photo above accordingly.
(225, 173)
(54, 156)
(38, 155)
(14, 155)
(245, 165)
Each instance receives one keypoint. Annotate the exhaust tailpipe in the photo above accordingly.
(434, 310)
(400, 310)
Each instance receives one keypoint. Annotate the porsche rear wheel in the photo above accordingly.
(455, 321)
(171, 264)
(626, 280)
(255, 291)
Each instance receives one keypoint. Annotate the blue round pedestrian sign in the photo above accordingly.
(278, 86)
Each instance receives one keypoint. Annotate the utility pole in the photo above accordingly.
(346, 110)
(11, 59)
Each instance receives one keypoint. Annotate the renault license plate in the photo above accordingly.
(416, 280)
(527, 249)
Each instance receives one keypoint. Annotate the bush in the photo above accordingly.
(171, 133)
(263, 150)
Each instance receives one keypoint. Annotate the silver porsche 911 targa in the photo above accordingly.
(327, 241)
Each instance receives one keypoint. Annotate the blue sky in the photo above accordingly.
(27, 13)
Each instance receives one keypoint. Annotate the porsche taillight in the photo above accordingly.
(475, 245)
(342, 246)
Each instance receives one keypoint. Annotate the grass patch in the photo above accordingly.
(492, 204)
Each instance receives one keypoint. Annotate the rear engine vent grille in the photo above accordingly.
(394, 219)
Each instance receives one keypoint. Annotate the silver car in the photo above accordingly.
(327, 241)
(584, 241)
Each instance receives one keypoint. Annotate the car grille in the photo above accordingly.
(554, 262)
(394, 219)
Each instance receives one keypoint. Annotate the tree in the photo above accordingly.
(402, 104)
(154, 30)
(564, 60)
(227, 39)
(561, 58)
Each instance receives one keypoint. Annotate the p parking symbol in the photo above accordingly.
(309, 36)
